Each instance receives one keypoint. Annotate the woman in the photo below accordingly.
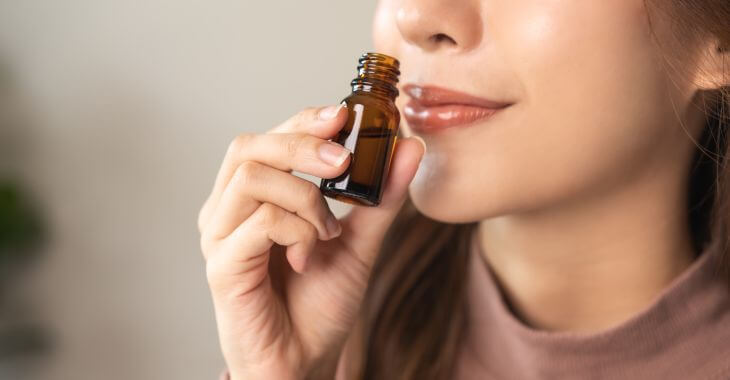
(568, 219)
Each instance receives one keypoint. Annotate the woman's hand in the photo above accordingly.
(276, 319)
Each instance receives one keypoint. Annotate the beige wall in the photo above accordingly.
(130, 107)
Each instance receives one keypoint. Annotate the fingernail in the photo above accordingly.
(330, 112)
(333, 226)
(333, 153)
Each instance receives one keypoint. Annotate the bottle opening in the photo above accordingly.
(377, 73)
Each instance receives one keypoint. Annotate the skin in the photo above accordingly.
(285, 288)
(578, 187)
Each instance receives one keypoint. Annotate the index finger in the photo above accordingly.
(322, 122)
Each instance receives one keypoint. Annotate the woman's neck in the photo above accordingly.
(593, 262)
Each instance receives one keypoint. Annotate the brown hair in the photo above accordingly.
(413, 314)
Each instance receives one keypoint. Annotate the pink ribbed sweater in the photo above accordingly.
(683, 333)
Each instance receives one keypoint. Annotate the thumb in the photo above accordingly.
(364, 227)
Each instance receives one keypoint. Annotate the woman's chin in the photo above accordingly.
(441, 206)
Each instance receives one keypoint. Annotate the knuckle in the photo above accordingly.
(294, 144)
(246, 173)
(239, 143)
(306, 115)
(267, 215)
(299, 118)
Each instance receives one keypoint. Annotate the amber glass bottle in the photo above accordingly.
(370, 132)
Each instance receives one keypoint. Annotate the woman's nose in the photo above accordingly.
(454, 25)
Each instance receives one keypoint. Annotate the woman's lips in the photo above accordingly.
(434, 108)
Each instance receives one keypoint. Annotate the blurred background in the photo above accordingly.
(114, 118)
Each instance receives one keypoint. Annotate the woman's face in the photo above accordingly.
(591, 104)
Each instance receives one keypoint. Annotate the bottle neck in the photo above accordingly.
(377, 75)
(385, 92)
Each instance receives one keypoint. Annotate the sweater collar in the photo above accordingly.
(677, 325)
